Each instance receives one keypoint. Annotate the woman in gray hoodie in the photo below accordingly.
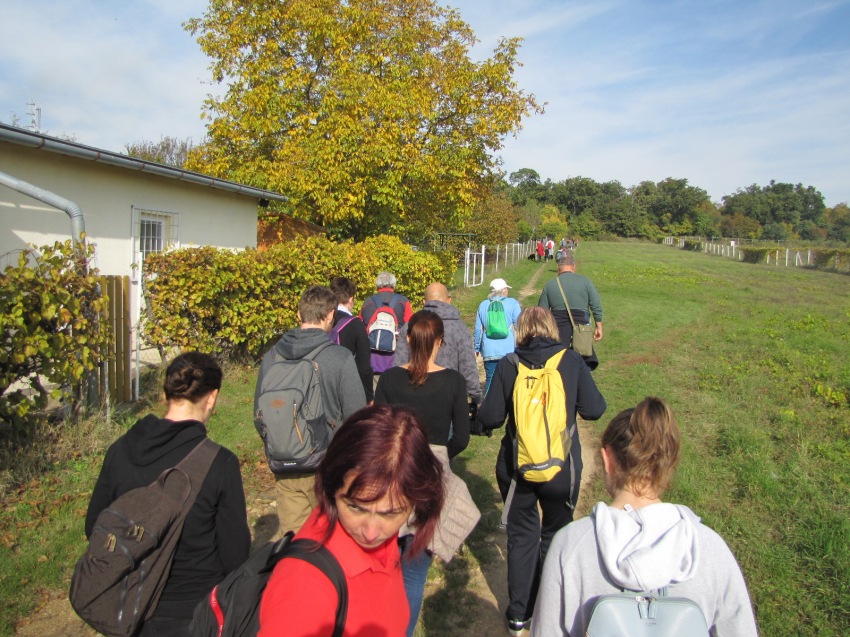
(638, 543)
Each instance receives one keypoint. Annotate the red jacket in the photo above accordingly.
(299, 601)
(540, 248)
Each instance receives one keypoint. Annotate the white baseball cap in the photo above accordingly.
(498, 284)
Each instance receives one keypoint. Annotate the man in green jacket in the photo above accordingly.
(583, 299)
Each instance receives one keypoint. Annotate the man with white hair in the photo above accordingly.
(385, 301)
(495, 326)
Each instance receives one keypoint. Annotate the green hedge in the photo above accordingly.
(235, 302)
(690, 244)
(49, 327)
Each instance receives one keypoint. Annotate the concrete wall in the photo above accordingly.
(106, 194)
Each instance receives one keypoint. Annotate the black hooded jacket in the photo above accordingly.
(582, 395)
(215, 538)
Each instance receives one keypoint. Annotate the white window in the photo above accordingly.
(154, 231)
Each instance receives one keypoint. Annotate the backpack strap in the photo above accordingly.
(319, 556)
(310, 358)
(312, 355)
(196, 465)
(567, 303)
(398, 299)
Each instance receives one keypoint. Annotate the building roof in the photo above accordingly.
(24, 137)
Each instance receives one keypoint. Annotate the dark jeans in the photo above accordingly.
(165, 627)
(489, 370)
(528, 541)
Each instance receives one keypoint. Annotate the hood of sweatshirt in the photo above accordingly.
(298, 343)
(647, 548)
(538, 350)
(445, 311)
(151, 438)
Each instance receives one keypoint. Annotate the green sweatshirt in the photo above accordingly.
(580, 292)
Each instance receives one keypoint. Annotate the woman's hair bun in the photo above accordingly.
(192, 376)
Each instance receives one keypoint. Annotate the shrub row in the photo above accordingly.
(49, 327)
(822, 258)
(691, 244)
(234, 303)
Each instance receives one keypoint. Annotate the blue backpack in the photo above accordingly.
(646, 615)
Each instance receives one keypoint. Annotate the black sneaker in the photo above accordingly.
(515, 627)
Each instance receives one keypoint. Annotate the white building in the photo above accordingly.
(131, 207)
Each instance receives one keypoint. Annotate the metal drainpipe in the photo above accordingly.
(78, 224)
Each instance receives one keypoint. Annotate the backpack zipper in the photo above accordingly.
(295, 420)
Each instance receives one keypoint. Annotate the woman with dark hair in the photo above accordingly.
(538, 347)
(638, 543)
(215, 537)
(378, 470)
(438, 395)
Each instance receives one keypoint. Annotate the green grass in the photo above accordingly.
(753, 360)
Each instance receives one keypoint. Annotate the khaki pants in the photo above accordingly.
(295, 500)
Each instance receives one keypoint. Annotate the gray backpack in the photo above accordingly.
(117, 583)
(646, 615)
(289, 413)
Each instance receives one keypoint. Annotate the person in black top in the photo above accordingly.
(352, 332)
(215, 538)
(528, 538)
(438, 395)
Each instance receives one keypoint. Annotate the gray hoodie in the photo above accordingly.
(341, 386)
(640, 550)
(457, 352)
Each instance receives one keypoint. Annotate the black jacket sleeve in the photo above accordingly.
(103, 493)
(233, 537)
(460, 419)
(381, 391)
(590, 404)
(363, 356)
(498, 403)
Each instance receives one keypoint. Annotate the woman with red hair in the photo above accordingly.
(439, 396)
(378, 471)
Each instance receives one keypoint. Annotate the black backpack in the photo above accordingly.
(232, 609)
(118, 581)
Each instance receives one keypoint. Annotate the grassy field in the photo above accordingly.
(753, 360)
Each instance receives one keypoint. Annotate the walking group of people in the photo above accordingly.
(545, 249)
(361, 417)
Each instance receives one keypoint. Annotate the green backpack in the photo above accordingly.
(497, 322)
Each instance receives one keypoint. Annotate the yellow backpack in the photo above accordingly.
(540, 413)
(543, 439)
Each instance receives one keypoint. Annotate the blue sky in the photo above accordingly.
(723, 93)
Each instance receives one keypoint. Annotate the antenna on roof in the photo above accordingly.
(35, 114)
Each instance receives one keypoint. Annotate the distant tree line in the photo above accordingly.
(584, 207)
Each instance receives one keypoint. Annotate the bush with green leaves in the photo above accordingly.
(691, 244)
(234, 303)
(49, 328)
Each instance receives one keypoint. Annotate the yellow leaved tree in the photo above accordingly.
(368, 114)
